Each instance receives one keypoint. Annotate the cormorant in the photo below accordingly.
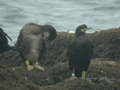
(4, 41)
(79, 52)
(32, 40)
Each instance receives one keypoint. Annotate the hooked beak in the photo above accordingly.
(85, 29)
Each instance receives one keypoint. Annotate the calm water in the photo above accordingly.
(62, 14)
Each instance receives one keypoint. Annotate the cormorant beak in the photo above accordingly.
(85, 29)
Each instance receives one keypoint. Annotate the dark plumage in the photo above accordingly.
(80, 52)
(3, 41)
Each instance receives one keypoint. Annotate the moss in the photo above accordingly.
(107, 43)
(103, 73)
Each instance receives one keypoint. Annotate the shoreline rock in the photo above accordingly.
(105, 64)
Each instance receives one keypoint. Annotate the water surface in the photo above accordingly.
(62, 14)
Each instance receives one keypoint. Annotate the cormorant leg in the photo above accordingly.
(83, 75)
(29, 67)
(73, 74)
(37, 66)
(73, 77)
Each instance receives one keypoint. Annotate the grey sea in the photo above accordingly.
(62, 14)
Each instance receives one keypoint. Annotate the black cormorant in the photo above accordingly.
(4, 41)
(79, 52)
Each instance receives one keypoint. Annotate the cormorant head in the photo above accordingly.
(80, 30)
(51, 32)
